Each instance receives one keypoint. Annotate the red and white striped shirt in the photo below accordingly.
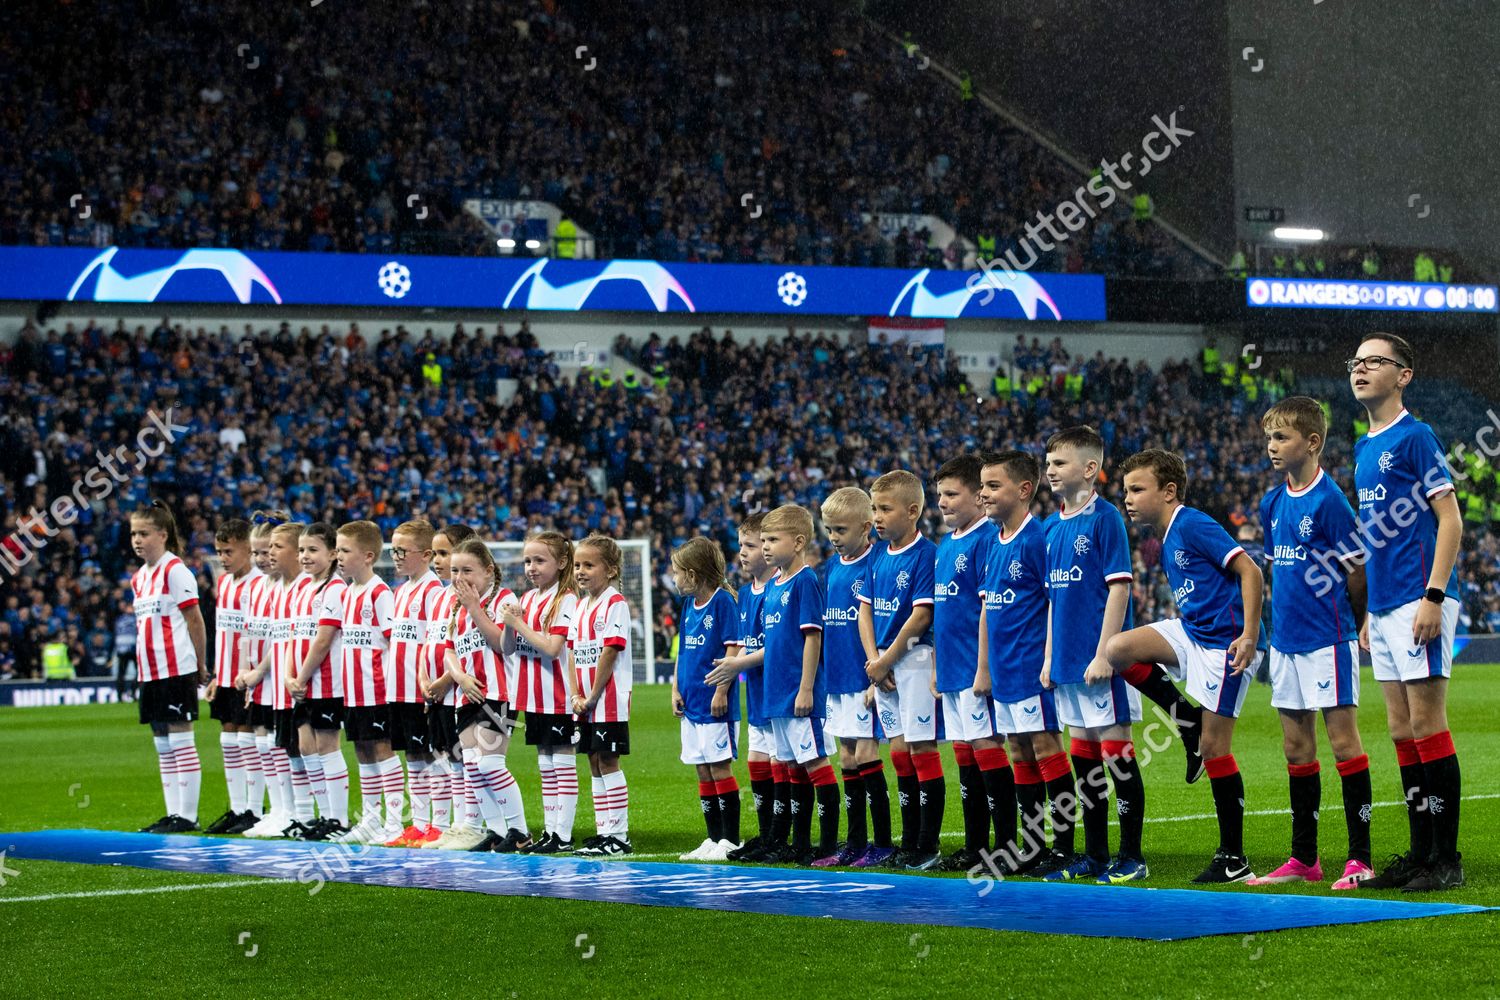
(231, 608)
(163, 647)
(438, 635)
(475, 655)
(319, 605)
(368, 613)
(416, 607)
(543, 686)
(262, 629)
(599, 623)
(286, 638)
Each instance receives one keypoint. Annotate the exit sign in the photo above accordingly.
(1264, 214)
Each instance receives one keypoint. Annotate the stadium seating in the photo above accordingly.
(757, 132)
(338, 425)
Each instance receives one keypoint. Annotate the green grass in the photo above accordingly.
(93, 766)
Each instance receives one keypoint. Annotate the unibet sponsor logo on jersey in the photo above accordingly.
(408, 630)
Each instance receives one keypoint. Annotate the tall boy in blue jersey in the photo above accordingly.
(1012, 652)
(852, 719)
(747, 657)
(895, 627)
(1216, 638)
(1088, 586)
(1308, 523)
(795, 691)
(1410, 528)
(970, 720)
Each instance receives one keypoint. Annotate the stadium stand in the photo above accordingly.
(337, 424)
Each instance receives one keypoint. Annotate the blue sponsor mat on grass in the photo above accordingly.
(1015, 905)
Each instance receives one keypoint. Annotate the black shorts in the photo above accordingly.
(442, 728)
(409, 727)
(284, 726)
(604, 737)
(169, 700)
(367, 723)
(322, 714)
(491, 715)
(261, 716)
(229, 706)
(545, 729)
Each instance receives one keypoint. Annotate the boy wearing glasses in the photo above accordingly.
(1410, 527)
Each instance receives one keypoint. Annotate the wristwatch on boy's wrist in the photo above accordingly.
(1435, 595)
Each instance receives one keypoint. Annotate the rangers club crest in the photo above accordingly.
(961, 563)
(903, 578)
(1305, 526)
(1015, 569)
(786, 598)
(1385, 461)
(857, 587)
(708, 622)
(1081, 545)
(1180, 557)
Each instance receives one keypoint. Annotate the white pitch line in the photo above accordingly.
(142, 892)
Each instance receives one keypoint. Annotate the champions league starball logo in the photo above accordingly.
(656, 281)
(916, 299)
(239, 272)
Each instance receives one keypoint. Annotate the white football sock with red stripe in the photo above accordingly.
(565, 776)
(283, 778)
(167, 766)
(234, 771)
(417, 772)
(255, 777)
(264, 749)
(479, 787)
(471, 814)
(618, 797)
(369, 795)
(189, 771)
(440, 787)
(315, 781)
(601, 807)
(393, 790)
(507, 793)
(302, 800)
(336, 780)
(549, 791)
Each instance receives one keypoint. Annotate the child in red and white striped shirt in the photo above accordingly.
(537, 635)
(170, 639)
(316, 681)
(226, 704)
(270, 629)
(417, 601)
(450, 789)
(599, 648)
(476, 663)
(367, 622)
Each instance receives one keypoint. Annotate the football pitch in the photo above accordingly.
(85, 929)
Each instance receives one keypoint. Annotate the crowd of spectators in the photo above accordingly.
(339, 425)
(364, 127)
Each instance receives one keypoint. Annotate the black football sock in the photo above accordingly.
(1354, 774)
(1306, 785)
(1093, 797)
(975, 804)
(999, 783)
(1130, 794)
(932, 794)
(825, 788)
(1062, 800)
(878, 794)
(907, 792)
(727, 799)
(781, 813)
(854, 810)
(1444, 784)
(1418, 819)
(763, 792)
(709, 801)
(802, 808)
(1229, 803)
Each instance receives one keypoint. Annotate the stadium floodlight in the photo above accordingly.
(1297, 234)
(505, 244)
(533, 244)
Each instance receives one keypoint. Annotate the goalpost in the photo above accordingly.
(635, 584)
